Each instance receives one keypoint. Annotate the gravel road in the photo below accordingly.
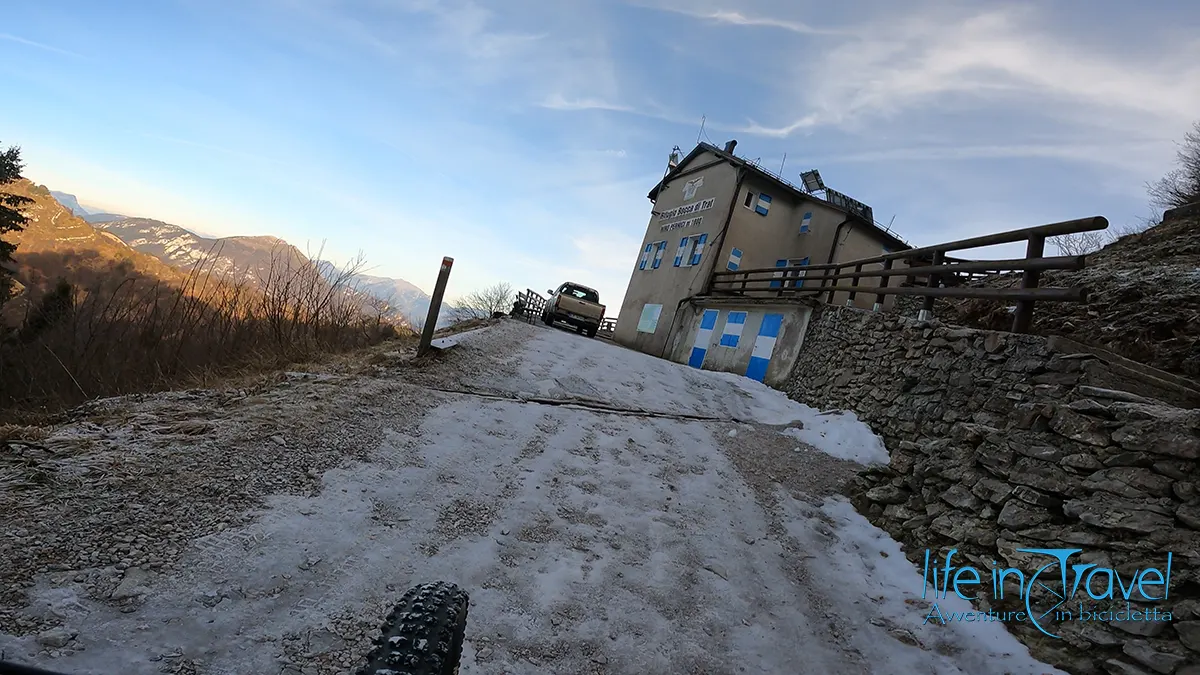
(620, 515)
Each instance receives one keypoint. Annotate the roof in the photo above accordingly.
(778, 181)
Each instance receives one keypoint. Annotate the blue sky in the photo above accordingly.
(521, 137)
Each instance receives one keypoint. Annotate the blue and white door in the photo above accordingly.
(764, 346)
(708, 321)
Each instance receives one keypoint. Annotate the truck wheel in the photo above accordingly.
(591, 332)
(547, 319)
(424, 633)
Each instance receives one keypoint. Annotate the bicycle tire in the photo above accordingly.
(423, 635)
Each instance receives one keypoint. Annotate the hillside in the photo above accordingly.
(244, 258)
(56, 238)
(1144, 299)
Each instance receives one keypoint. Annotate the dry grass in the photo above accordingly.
(127, 333)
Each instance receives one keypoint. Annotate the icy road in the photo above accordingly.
(608, 512)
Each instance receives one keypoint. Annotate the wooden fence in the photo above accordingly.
(928, 272)
(529, 306)
(607, 327)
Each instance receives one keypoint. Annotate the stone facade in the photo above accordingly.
(1001, 441)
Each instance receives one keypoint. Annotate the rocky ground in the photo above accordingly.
(1144, 299)
(607, 511)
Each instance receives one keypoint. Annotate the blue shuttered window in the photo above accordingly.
(645, 257)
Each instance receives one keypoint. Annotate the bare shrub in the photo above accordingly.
(123, 332)
(1181, 186)
(482, 304)
(1080, 243)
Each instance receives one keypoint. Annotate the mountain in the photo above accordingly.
(244, 258)
(54, 229)
(72, 203)
(250, 258)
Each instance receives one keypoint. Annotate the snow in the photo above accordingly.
(584, 537)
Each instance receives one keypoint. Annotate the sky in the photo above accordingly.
(521, 137)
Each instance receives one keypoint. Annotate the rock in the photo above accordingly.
(960, 497)
(1031, 496)
(278, 440)
(133, 585)
(1140, 628)
(1016, 515)
(1143, 653)
(1081, 461)
(994, 491)
(1129, 482)
(1189, 514)
(1077, 427)
(1189, 634)
(1158, 436)
(56, 637)
(888, 494)
(1040, 475)
(1089, 407)
(1115, 514)
(1115, 667)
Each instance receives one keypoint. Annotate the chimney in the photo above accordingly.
(730, 146)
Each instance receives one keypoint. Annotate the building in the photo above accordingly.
(715, 211)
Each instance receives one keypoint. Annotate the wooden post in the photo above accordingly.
(435, 306)
(887, 265)
(1023, 317)
(853, 282)
(939, 258)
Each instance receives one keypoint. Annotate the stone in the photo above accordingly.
(1140, 628)
(132, 585)
(1081, 461)
(888, 494)
(1115, 667)
(1129, 482)
(1159, 662)
(1031, 496)
(994, 491)
(1041, 475)
(1114, 395)
(1186, 491)
(1087, 406)
(1077, 427)
(1017, 515)
(1045, 453)
(56, 637)
(1128, 459)
(1158, 437)
(1115, 514)
(1189, 634)
(1189, 514)
(959, 496)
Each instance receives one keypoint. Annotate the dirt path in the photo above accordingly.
(591, 538)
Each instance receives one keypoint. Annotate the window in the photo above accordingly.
(735, 260)
(790, 277)
(734, 324)
(659, 248)
(690, 249)
(805, 222)
(749, 203)
(645, 257)
(580, 292)
(764, 204)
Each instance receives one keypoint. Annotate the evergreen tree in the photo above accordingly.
(11, 218)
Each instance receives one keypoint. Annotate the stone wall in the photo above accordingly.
(1001, 441)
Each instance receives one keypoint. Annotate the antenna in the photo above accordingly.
(782, 163)
(703, 119)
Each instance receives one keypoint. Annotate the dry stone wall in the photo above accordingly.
(1000, 442)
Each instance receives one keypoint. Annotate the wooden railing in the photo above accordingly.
(928, 272)
(607, 326)
(528, 306)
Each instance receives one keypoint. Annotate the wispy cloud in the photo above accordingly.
(40, 45)
(736, 18)
(559, 102)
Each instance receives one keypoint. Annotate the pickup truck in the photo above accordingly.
(576, 305)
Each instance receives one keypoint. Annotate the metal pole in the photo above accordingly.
(926, 313)
(1023, 317)
(435, 306)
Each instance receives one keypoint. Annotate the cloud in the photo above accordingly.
(557, 101)
(735, 18)
(40, 45)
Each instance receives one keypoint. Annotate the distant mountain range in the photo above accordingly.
(69, 201)
(248, 258)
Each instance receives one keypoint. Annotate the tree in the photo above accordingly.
(484, 303)
(1181, 186)
(1080, 243)
(11, 218)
